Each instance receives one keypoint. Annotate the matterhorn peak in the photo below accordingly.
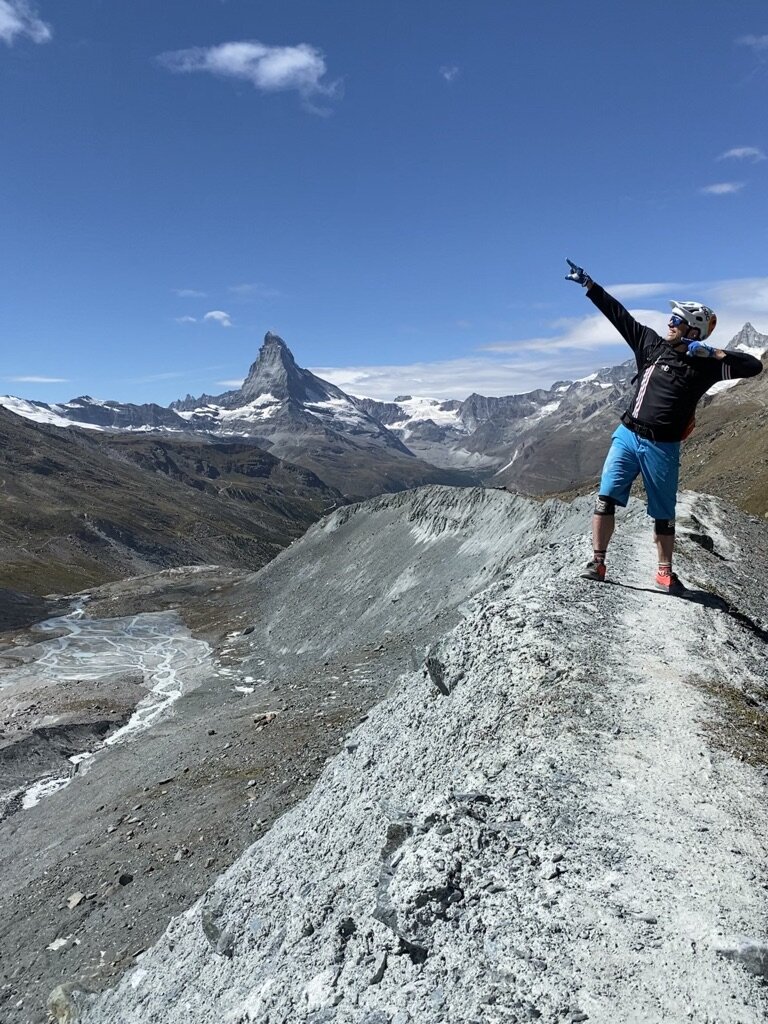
(273, 346)
(276, 373)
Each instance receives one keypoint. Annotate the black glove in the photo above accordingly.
(578, 275)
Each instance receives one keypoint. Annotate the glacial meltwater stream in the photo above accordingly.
(155, 644)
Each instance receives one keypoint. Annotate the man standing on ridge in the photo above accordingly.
(672, 375)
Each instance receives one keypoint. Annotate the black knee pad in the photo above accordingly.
(663, 527)
(604, 506)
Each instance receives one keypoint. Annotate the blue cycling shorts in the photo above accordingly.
(657, 461)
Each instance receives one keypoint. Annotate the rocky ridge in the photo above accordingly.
(299, 652)
(542, 822)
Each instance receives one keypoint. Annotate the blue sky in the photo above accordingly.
(392, 187)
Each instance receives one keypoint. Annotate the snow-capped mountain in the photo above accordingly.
(488, 433)
(280, 399)
(749, 340)
(300, 417)
(93, 414)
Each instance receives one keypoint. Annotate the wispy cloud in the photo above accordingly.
(32, 379)
(449, 72)
(722, 188)
(19, 18)
(743, 153)
(189, 293)
(582, 334)
(741, 299)
(186, 319)
(218, 316)
(229, 383)
(758, 43)
(628, 292)
(268, 68)
(151, 378)
(454, 378)
(256, 290)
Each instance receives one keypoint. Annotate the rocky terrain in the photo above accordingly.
(728, 452)
(515, 795)
(297, 653)
(18, 610)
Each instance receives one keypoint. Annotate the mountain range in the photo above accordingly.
(543, 441)
(281, 408)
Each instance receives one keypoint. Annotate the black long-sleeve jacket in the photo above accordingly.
(669, 384)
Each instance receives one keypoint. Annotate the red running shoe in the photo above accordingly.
(594, 571)
(668, 581)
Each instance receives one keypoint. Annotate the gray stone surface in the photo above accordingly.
(575, 829)
(299, 654)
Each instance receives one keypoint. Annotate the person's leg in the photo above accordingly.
(603, 525)
(660, 466)
(620, 469)
(665, 542)
(664, 536)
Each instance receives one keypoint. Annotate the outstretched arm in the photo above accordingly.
(631, 331)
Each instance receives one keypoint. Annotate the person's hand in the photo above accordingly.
(698, 348)
(578, 275)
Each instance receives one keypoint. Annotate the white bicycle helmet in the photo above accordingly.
(695, 315)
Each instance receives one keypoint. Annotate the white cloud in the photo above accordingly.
(189, 293)
(577, 347)
(743, 153)
(455, 378)
(582, 334)
(230, 383)
(38, 380)
(449, 72)
(186, 320)
(218, 316)
(628, 292)
(722, 188)
(19, 18)
(744, 299)
(268, 68)
(758, 43)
